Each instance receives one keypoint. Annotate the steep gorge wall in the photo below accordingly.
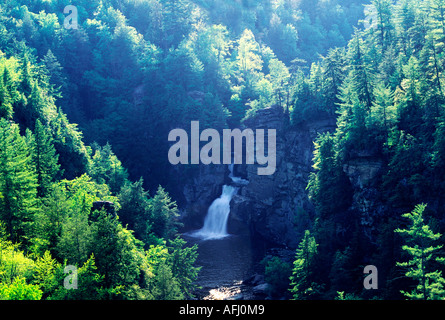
(274, 207)
(277, 207)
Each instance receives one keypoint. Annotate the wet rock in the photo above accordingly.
(261, 289)
(364, 171)
(254, 280)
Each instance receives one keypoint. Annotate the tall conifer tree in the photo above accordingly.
(18, 183)
(422, 248)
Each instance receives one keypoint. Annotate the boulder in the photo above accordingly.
(254, 280)
(107, 205)
(261, 289)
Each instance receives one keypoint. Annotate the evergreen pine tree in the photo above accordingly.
(27, 75)
(437, 24)
(6, 109)
(135, 206)
(333, 76)
(302, 278)
(405, 19)
(360, 71)
(55, 73)
(328, 187)
(106, 168)
(163, 213)
(431, 85)
(383, 111)
(182, 259)
(18, 183)
(421, 246)
(44, 157)
(249, 62)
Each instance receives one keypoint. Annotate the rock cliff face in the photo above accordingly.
(274, 207)
(201, 191)
(277, 206)
(364, 172)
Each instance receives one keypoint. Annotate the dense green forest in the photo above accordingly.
(386, 88)
(131, 62)
(84, 116)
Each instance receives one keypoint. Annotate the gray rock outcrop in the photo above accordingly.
(274, 205)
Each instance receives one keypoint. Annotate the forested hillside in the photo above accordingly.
(130, 71)
(131, 62)
(50, 181)
(85, 114)
(386, 88)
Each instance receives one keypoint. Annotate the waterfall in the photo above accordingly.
(215, 223)
(236, 180)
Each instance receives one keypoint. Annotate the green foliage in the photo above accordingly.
(182, 260)
(135, 69)
(383, 111)
(106, 168)
(18, 183)
(19, 290)
(249, 62)
(89, 284)
(135, 210)
(44, 157)
(116, 252)
(173, 61)
(49, 179)
(163, 214)
(74, 238)
(276, 274)
(6, 109)
(386, 87)
(14, 263)
(328, 187)
(302, 284)
(344, 297)
(423, 252)
(45, 274)
(163, 284)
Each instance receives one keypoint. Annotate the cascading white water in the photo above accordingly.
(236, 180)
(215, 223)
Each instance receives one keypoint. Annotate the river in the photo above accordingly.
(225, 264)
